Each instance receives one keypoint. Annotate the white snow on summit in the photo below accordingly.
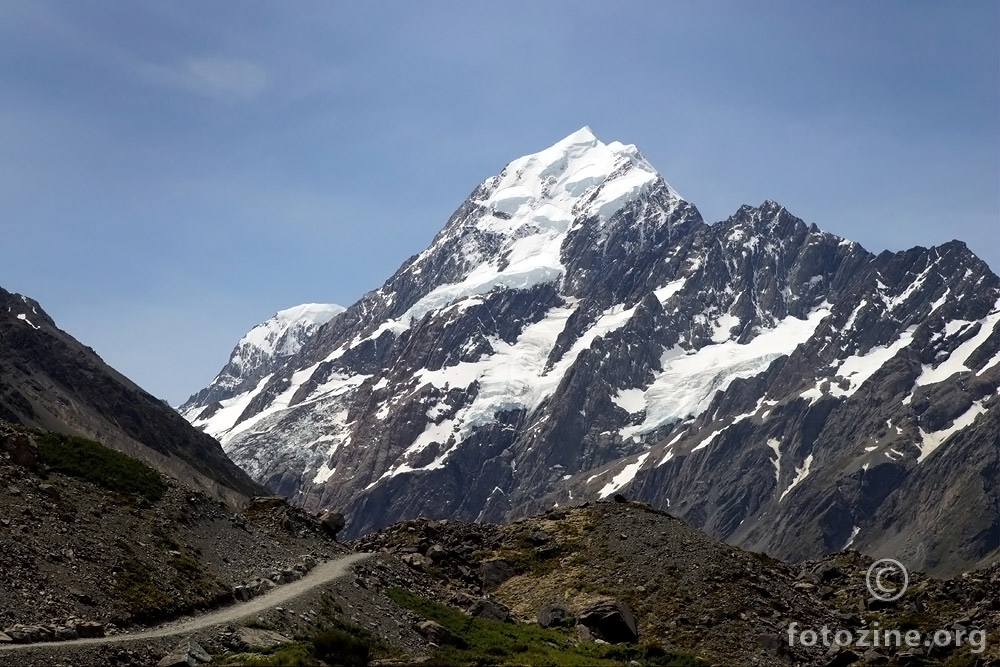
(283, 334)
(280, 336)
(531, 206)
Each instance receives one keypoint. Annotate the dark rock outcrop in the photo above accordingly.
(188, 653)
(610, 620)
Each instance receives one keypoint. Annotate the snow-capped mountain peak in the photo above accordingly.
(284, 333)
(579, 176)
(576, 330)
(517, 227)
(260, 351)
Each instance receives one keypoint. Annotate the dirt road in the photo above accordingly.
(321, 574)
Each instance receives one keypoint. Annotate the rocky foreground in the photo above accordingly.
(79, 559)
(626, 572)
(108, 552)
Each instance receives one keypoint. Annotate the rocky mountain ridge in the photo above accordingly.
(262, 350)
(51, 381)
(577, 330)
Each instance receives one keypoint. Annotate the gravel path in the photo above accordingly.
(319, 575)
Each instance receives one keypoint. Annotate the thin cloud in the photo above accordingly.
(212, 76)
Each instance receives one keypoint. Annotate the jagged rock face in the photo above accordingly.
(51, 381)
(577, 330)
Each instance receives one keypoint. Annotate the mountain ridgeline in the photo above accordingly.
(577, 330)
(49, 380)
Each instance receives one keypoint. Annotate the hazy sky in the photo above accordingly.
(172, 173)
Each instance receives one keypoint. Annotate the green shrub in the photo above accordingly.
(337, 647)
(294, 654)
(95, 463)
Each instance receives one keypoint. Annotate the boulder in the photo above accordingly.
(537, 537)
(610, 620)
(437, 633)
(332, 522)
(267, 502)
(555, 615)
(65, 633)
(490, 610)
(15, 635)
(260, 637)
(416, 561)
(494, 572)
(186, 654)
(88, 629)
(28, 634)
(6, 639)
(264, 586)
(21, 449)
(49, 489)
(436, 552)
(827, 572)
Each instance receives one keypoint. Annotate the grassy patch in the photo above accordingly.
(198, 585)
(143, 599)
(331, 621)
(294, 654)
(95, 463)
(346, 646)
(187, 567)
(485, 642)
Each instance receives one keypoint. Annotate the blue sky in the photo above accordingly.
(173, 173)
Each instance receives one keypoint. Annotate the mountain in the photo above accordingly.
(50, 381)
(259, 354)
(577, 330)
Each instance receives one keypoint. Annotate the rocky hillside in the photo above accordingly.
(576, 329)
(685, 592)
(102, 550)
(51, 381)
(90, 535)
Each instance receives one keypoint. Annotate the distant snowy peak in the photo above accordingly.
(262, 349)
(283, 334)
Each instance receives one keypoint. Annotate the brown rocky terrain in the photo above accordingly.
(688, 592)
(612, 582)
(72, 549)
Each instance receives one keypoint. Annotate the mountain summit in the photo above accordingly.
(577, 330)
